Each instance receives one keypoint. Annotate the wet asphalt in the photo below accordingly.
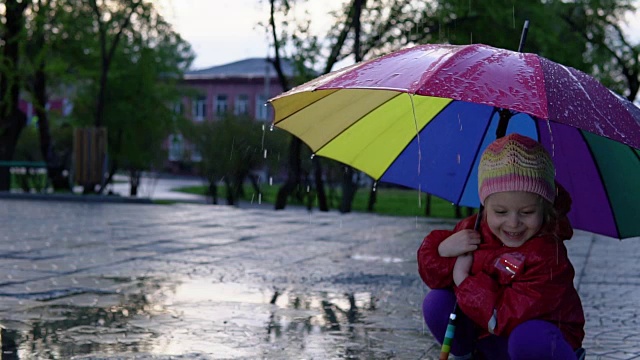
(108, 280)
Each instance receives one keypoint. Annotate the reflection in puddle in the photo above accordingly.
(341, 315)
(285, 323)
(78, 322)
(9, 349)
(159, 317)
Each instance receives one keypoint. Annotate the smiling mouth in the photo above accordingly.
(514, 234)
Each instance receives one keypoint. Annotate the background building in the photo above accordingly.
(239, 88)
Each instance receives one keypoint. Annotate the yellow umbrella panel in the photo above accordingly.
(364, 128)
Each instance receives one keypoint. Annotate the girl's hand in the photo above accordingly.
(459, 243)
(462, 268)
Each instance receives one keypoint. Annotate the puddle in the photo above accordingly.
(193, 318)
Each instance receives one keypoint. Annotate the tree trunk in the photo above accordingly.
(12, 119)
(213, 191)
(230, 196)
(372, 197)
(55, 167)
(134, 182)
(319, 183)
(293, 174)
(427, 209)
(349, 187)
(113, 164)
(256, 187)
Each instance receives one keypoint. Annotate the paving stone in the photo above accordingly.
(186, 281)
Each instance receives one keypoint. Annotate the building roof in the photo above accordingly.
(246, 69)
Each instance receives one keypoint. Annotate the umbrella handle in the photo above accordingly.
(448, 335)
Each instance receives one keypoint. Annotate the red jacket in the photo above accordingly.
(542, 290)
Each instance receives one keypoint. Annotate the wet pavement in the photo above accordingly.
(188, 281)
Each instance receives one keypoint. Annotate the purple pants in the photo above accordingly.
(533, 339)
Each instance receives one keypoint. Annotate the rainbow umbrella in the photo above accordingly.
(420, 117)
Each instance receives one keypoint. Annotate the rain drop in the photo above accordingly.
(313, 155)
(270, 180)
(271, 127)
(265, 153)
(553, 145)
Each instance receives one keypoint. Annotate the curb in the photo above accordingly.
(74, 198)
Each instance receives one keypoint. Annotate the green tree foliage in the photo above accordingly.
(233, 149)
(612, 53)
(142, 58)
(118, 60)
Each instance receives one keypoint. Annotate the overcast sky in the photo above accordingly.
(223, 31)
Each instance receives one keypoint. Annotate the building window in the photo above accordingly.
(221, 104)
(196, 156)
(199, 108)
(177, 108)
(262, 109)
(241, 106)
(176, 147)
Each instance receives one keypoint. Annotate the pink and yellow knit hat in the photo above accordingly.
(516, 163)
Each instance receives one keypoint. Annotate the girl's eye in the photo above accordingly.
(500, 212)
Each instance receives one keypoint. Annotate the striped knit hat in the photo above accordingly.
(516, 163)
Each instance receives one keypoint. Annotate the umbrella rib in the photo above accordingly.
(418, 130)
(297, 111)
(604, 188)
(352, 124)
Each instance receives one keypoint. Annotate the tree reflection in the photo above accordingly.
(62, 329)
(9, 348)
(342, 315)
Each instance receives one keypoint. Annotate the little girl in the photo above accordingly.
(512, 278)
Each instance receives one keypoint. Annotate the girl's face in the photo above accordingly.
(514, 216)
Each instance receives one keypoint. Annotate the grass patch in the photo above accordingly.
(389, 201)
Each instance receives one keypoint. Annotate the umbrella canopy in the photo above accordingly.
(422, 116)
